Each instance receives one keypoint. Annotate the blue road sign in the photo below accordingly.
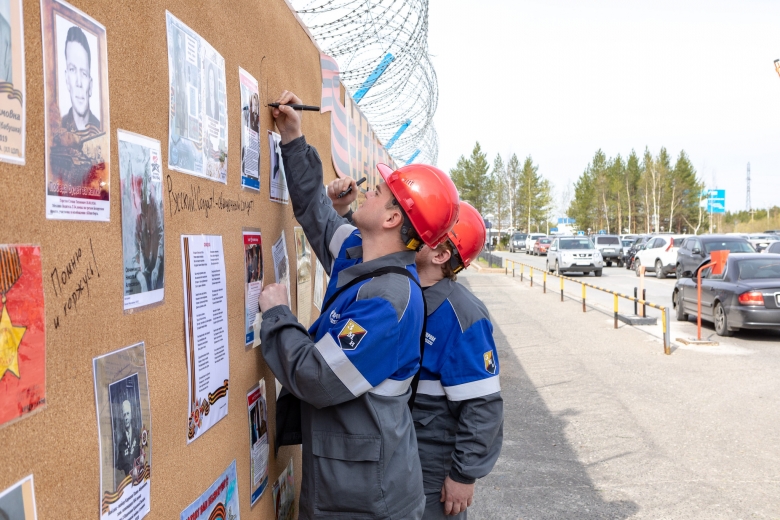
(716, 201)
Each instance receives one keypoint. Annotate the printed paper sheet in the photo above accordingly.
(22, 333)
(18, 501)
(253, 264)
(218, 502)
(78, 139)
(258, 440)
(282, 264)
(303, 279)
(278, 182)
(143, 244)
(124, 432)
(250, 131)
(197, 117)
(13, 101)
(205, 331)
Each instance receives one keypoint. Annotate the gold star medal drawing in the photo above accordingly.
(22, 333)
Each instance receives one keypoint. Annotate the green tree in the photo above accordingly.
(513, 172)
(535, 197)
(470, 176)
(499, 192)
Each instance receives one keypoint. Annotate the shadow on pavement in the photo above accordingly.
(538, 475)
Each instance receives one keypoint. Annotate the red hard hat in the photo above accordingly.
(428, 197)
(468, 234)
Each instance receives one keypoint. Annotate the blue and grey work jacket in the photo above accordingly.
(458, 412)
(353, 368)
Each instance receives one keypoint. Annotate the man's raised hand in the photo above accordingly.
(288, 121)
(341, 205)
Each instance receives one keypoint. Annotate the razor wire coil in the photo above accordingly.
(358, 34)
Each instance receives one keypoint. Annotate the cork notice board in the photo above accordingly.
(59, 445)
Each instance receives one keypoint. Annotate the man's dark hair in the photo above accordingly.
(76, 35)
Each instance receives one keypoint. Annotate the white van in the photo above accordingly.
(530, 240)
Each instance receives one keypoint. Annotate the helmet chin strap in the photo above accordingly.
(456, 264)
(409, 235)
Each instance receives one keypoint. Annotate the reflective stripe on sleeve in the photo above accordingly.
(391, 387)
(472, 390)
(342, 366)
(338, 238)
(426, 387)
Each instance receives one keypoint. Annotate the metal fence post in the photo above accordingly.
(636, 313)
(544, 281)
(667, 339)
(561, 279)
(531, 275)
(583, 297)
(616, 310)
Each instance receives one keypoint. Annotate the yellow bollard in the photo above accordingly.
(532, 275)
(616, 310)
(583, 297)
(544, 281)
(561, 279)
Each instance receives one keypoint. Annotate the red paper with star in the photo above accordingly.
(22, 333)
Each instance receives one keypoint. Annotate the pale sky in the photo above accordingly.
(558, 79)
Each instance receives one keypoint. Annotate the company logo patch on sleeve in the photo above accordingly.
(490, 363)
(351, 335)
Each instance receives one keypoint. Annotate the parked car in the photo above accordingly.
(517, 242)
(762, 240)
(541, 246)
(745, 296)
(574, 253)
(773, 248)
(530, 239)
(628, 237)
(639, 243)
(695, 249)
(610, 248)
(659, 255)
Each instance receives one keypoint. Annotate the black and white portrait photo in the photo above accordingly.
(78, 82)
(126, 426)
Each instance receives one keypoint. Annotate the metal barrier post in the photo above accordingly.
(667, 340)
(531, 268)
(522, 271)
(644, 299)
(635, 302)
(561, 279)
(544, 281)
(583, 297)
(664, 314)
(616, 310)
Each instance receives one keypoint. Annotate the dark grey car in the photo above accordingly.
(695, 249)
(746, 295)
(517, 242)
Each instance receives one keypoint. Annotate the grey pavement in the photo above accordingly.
(599, 423)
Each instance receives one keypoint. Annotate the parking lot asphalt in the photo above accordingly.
(599, 423)
(659, 291)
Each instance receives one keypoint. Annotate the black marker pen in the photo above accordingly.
(349, 190)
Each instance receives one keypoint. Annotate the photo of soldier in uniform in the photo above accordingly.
(126, 426)
(77, 125)
(143, 244)
(124, 431)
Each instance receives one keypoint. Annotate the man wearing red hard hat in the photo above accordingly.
(458, 411)
(348, 379)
